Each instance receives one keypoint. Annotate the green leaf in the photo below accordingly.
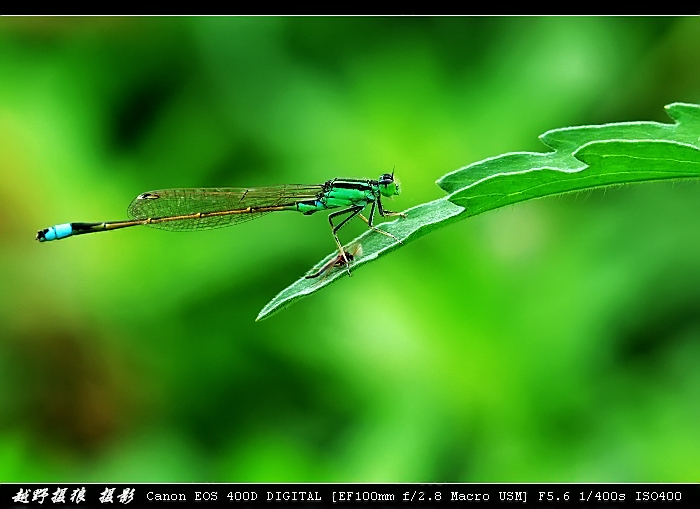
(584, 157)
(419, 220)
(608, 163)
(568, 140)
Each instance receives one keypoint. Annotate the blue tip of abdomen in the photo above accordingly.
(60, 231)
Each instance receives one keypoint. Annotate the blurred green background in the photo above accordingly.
(555, 340)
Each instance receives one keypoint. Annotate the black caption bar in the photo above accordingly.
(124, 495)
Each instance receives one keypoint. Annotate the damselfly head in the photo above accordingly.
(387, 185)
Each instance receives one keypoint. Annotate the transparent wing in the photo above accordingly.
(182, 205)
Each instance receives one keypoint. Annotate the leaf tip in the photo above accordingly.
(264, 313)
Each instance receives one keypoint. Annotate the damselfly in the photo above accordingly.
(206, 208)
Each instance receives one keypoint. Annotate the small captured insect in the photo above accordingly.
(355, 251)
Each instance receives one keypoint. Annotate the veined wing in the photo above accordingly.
(180, 209)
